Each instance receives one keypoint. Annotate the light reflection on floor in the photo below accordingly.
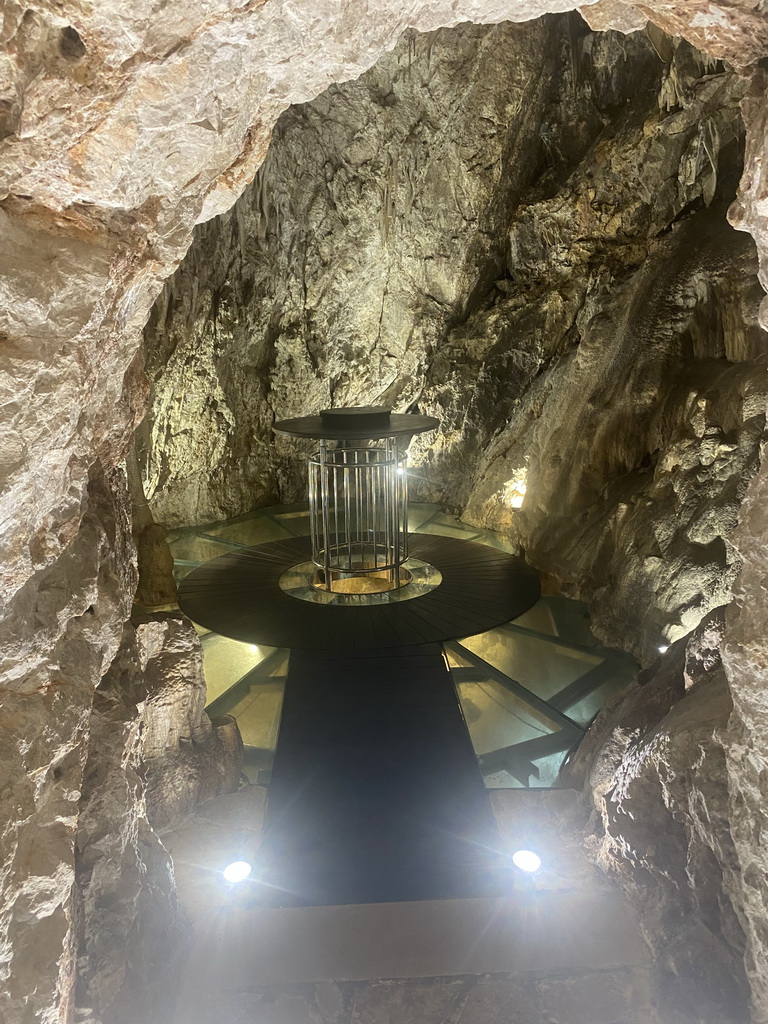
(528, 689)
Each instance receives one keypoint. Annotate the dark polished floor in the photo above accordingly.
(238, 595)
(376, 795)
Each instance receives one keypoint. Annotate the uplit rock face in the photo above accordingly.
(655, 772)
(381, 207)
(153, 755)
(61, 636)
(746, 666)
(620, 372)
(661, 405)
(573, 306)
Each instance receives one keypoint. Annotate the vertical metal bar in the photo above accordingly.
(388, 508)
(366, 487)
(373, 485)
(381, 550)
(313, 505)
(335, 504)
(347, 513)
(395, 511)
(404, 500)
(359, 460)
(371, 490)
(371, 514)
(372, 508)
(326, 524)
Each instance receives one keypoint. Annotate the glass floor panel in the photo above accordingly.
(497, 718)
(252, 531)
(226, 661)
(539, 619)
(533, 660)
(258, 715)
(194, 548)
(445, 525)
(552, 663)
(528, 690)
(621, 674)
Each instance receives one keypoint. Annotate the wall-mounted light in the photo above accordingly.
(513, 491)
(663, 648)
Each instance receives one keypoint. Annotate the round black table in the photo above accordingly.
(238, 595)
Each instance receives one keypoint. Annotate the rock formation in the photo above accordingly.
(122, 127)
(522, 230)
(654, 769)
(153, 755)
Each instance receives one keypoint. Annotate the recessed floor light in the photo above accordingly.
(237, 871)
(526, 860)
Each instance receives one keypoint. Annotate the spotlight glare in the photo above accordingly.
(237, 871)
(526, 860)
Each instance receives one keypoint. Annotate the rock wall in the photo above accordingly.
(745, 744)
(153, 755)
(381, 206)
(522, 231)
(122, 126)
(61, 636)
(654, 769)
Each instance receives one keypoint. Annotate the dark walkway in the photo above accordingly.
(376, 795)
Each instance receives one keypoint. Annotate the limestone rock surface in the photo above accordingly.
(59, 639)
(380, 208)
(573, 307)
(122, 125)
(153, 755)
(746, 666)
(665, 828)
(614, 15)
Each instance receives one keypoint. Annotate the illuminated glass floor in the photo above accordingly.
(528, 689)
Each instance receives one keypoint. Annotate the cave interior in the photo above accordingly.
(546, 232)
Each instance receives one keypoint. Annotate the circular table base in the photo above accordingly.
(238, 595)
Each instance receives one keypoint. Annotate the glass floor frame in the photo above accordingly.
(528, 689)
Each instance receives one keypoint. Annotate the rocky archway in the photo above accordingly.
(122, 129)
